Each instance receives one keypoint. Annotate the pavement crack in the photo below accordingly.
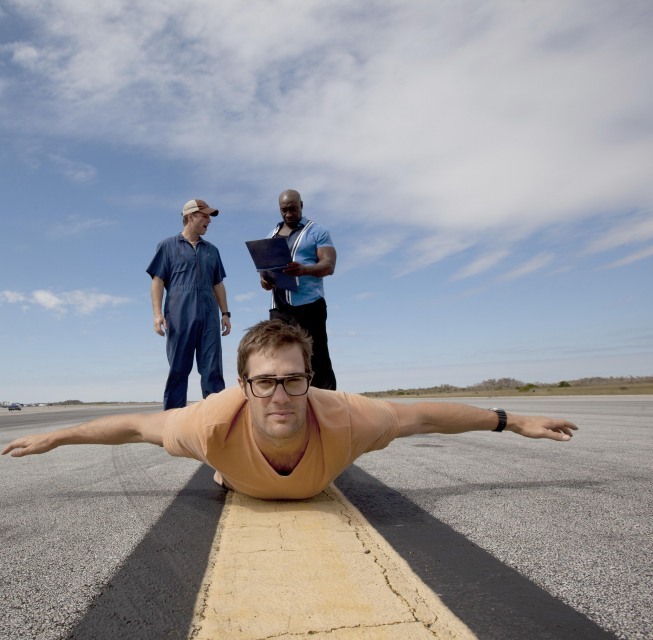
(305, 634)
(368, 545)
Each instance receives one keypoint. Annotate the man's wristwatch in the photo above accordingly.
(503, 419)
(227, 313)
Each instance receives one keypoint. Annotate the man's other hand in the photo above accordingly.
(295, 269)
(541, 427)
(29, 445)
(160, 325)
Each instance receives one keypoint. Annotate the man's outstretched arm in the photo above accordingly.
(117, 429)
(436, 417)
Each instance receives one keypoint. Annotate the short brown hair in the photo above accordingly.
(267, 337)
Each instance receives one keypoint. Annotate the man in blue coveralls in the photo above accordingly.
(190, 270)
(313, 258)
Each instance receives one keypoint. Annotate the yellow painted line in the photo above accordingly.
(312, 569)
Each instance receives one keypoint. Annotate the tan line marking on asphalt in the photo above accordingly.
(294, 569)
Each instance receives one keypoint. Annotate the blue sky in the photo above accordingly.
(484, 169)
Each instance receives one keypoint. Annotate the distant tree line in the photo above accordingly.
(100, 402)
(510, 384)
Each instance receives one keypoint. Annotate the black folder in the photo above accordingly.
(271, 256)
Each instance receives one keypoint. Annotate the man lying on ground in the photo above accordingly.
(275, 437)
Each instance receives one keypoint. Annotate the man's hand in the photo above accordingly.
(268, 286)
(226, 325)
(116, 429)
(541, 427)
(29, 445)
(295, 269)
(160, 325)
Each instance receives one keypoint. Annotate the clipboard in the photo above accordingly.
(271, 256)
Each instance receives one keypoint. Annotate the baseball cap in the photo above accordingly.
(193, 206)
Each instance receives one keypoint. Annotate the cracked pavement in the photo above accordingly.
(315, 568)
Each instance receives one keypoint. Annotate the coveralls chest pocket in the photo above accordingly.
(180, 266)
(182, 273)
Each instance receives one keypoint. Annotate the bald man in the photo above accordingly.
(313, 258)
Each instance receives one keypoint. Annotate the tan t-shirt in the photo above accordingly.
(218, 431)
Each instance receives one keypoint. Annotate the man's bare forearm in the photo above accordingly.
(157, 295)
(325, 265)
(111, 430)
(452, 418)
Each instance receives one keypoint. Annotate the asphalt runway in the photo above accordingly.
(519, 538)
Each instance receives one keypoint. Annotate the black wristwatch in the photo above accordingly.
(227, 313)
(503, 419)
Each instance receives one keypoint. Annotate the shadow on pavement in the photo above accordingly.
(152, 596)
(492, 599)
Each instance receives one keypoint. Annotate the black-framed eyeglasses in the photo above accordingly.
(295, 384)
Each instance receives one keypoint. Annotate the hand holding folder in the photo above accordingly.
(271, 256)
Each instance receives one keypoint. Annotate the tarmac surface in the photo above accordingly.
(479, 535)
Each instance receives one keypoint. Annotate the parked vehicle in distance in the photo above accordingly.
(14, 406)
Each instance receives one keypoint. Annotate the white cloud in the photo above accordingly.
(430, 249)
(78, 301)
(48, 300)
(35, 155)
(11, 297)
(636, 230)
(86, 302)
(365, 295)
(378, 244)
(75, 225)
(243, 297)
(534, 264)
(75, 171)
(25, 56)
(633, 257)
(453, 122)
(481, 264)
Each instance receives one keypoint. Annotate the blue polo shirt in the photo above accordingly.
(303, 242)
